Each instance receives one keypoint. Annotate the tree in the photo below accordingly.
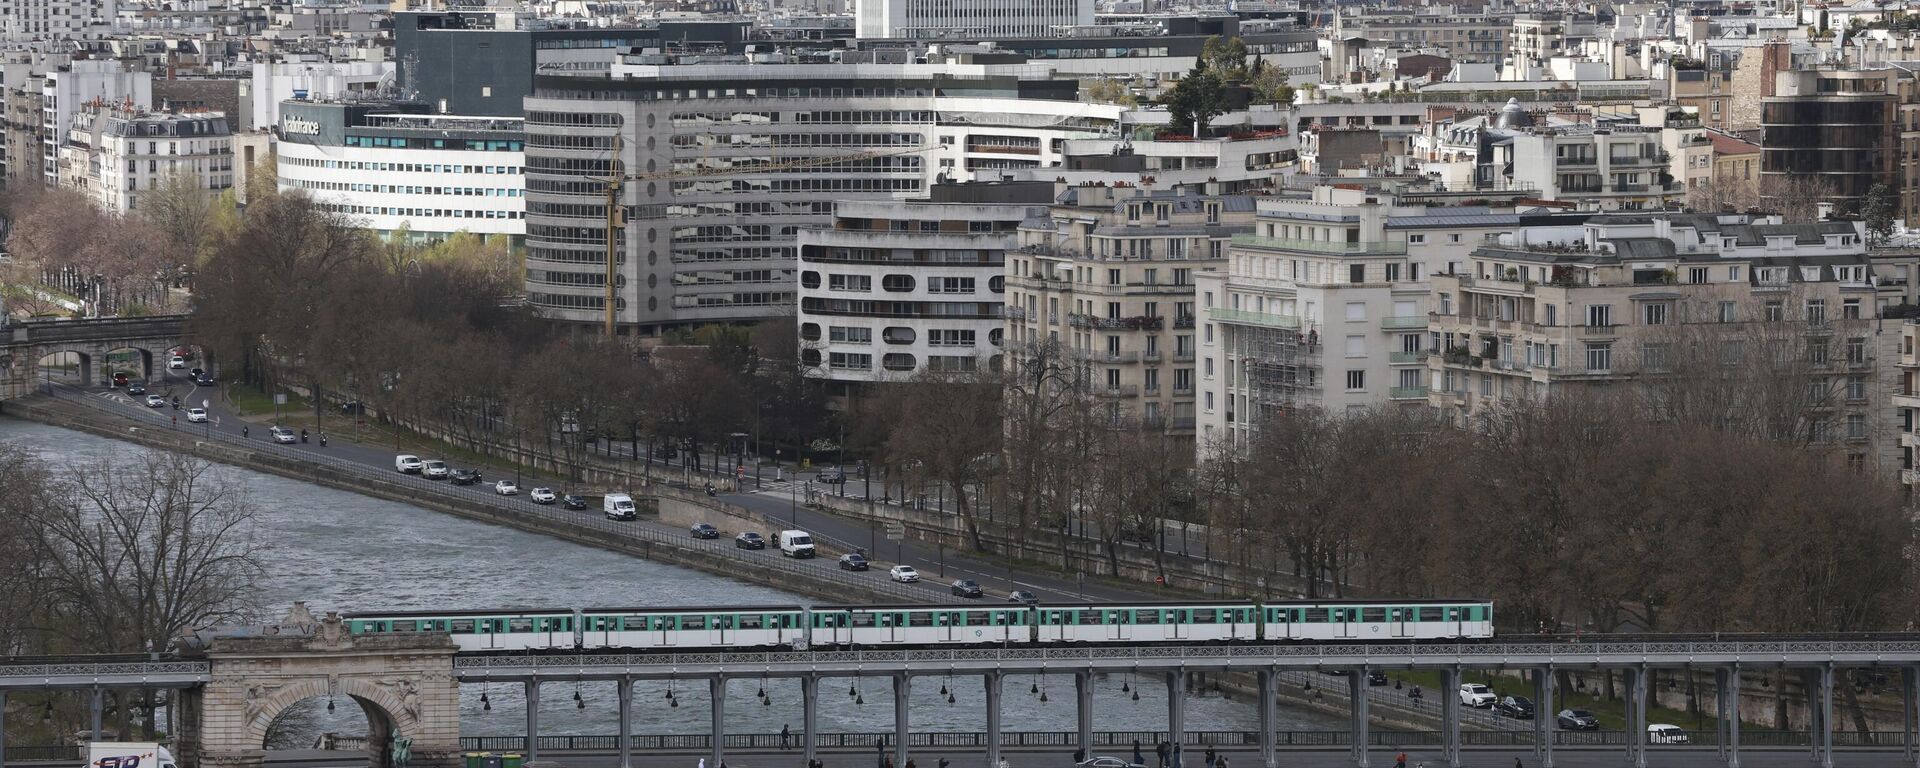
(1107, 90)
(946, 429)
(1268, 84)
(1195, 101)
(1225, 56)
(1879, 209)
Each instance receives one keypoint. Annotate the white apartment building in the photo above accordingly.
(967, 19)
(1610, 168)
(395, 168)
(67, 89)
(50, 21)
(895, 288)
(115, 156)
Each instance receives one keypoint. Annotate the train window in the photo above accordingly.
(628, 622)
(1204, 616)
(750, 621)
(406, 625)
(1430, 613)
(1146, 617)
(1373, 614)
(920, 619)
(1477, 613)
(724, 622)
(863, 619)
(982, 618)
(462, 626)
(1317, 615)
(693, 622)
(519, 625)
(1279, 615)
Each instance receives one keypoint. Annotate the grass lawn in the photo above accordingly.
(249, 400)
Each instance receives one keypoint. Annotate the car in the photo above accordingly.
(435, 469)
(407, 463)
(705, 531)
(542, 495)
(176, 363)
(1476, 695)
(1578, 720)
(904, 574)
(966, 588)
(831, 477)
(573, 501)
(749, 540)
(506, 488)
(1107, 761)
(1023, 597)
(196, 372)
(197, 415)
(856, 562)
(1377, 677)
(283, 435)
(1516, 707)
(136, 389)
(156, 401)
(120, 378)
(464, 476)
(1662, 733)
(204, 380)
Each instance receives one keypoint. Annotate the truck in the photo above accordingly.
(127, 754)
(618, 506)
(796, 544)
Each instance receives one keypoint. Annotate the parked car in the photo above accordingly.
(197, 415)
(573, 501)
(749, 540)
(1517, 707)
(966, 588)
(1578, 720)
(904, 574)
(831, 477)
(1476, 695)
(156, 401)
(852, 562)
(506, 488)
(1023, 597)
(705, 531)
(283, 435)
(542, 495)
(1662, 733)
(407, 463)
(465, 477)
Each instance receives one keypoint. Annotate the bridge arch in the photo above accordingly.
(385, 707)
(22, 344)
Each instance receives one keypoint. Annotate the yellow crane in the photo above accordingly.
(616, 217)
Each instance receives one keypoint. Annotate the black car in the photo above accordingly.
(1376, 678)
(573, 501)
(1516, 707)
(1578, 720)
(831, 477)
(749, 540)
(705, 531)
(204, 380)
(136, 388)
(465, 477)
(1023, 597)
(853, 563)
(195, 373)
(967, 588)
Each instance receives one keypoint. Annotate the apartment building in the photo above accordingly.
(892, 289)
(1467, 38)
(1563, 305)
(70, 87)
(1324, 305)
(1906, 400)
(46, 21)
(1708, 91)
(117, 156)
(1108, 275)
(967, 19)
(1606, 167)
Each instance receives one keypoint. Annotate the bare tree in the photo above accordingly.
(948, 431)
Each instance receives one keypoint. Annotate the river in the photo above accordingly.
(343, 551)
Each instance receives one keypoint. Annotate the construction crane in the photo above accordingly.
(616, 215)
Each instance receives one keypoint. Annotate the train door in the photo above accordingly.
(1119, 623)
(667, 628)
(1346, 622)
(949, 625)
(720, 630)
(891, 630)
(1453, 625)
(1180, 622)
(1400, 622)
(838, 626)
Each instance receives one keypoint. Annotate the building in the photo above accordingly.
(896, 288)
(967, 19)
(48, 21)
(396, 167)
(1166, 48)
(68, 88)
(727, 161)
(1838, 130)
(1467, 38)
(1107, 275)
(1614, 166)
(1571, 303)
(115, 157)
(1710, 91)
(314, 78)
(1906, 400)
(1736, 166)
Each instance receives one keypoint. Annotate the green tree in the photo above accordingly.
(1225, 56)
(1268, 84)
(1878, 210)
(1196, 100)
(1109, 91)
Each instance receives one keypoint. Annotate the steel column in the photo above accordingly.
(1450, 715)
(993, 719)
(1083, 706)
(1268, 691)
(1543, 714)
(1720, 712)
(1825, 733)
(533, 721)
(1637, 715)
(902, 730)
(717, 691)
(809, 713)
(1177, 709)
(623, 688)
(1357, 683)
(1909, 678)
(1733, 717)
(3, 725)
(94, 708)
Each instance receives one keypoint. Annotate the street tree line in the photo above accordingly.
(116, 264)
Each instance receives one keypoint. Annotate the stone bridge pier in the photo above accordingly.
(24, 345)
(404, 684)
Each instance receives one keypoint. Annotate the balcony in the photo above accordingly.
(1013, 312)
(1245, 317)
(1404, 323)
(1110, 358)
(1407, 393)
(1406, 358)
(1322, 246)
(1124, 390)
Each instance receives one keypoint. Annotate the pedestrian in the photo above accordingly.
(1400, 761)
(943, 763)
(1138, 759)
(909, 762)
(1516, 762)
(1212, 757)
(703, 762)
(1162, 751)
(784, 735)
(1079, 756)
(889, 762)
(1222, 763)
(243, 432)
(1176, 755)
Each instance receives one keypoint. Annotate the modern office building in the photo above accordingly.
(895, 288)
(1837, 129)
(116, 157)
(967, 19)
(311, 77)
(397, 167)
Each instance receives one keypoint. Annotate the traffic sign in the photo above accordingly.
(896, 530)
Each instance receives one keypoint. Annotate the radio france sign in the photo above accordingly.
(300, 125)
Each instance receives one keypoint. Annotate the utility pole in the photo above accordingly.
(616, 221)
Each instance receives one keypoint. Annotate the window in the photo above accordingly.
(1850, 309)
(1729, 312)
(850, 362)
(1654, 314)
(1356, 346)
(1356, 380)
(1653, 357)
(1599, 315)
(1856, 388)
(950, 285)
(1183, 380)
(846, 335)
(1599, 357)
(1774, 311)
(1696, 275)
(1856, 351)
(1113, 277)
(1356, 273)
(1856, 426)
(1553, 314)
(849, 282)
(1356, 310)
(1816, 311)
(951, 337)
(1152, 381)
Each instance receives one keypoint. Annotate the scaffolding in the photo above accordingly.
(1277, 366)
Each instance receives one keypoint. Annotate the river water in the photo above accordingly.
(343, 551)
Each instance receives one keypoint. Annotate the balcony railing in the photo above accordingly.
(1404, 322)
(1407, 393)
(1254, 318)
(1403, 358)
(1322, 246)
(1124, 390)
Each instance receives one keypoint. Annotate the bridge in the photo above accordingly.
(24, 344)
(230, 691)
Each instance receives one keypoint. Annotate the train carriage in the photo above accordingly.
(1190, 622)
(654, 628)
(972, 624)
(476, 631)
(1376, 620)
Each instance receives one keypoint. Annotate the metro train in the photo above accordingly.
(927, 626)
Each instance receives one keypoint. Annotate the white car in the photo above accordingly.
(1476, 695)
(176, 363)
(434, 469)
(506, 488)
(904, 574)
(542, 495)
(156, 401)
(1662, 733)
(197, 415)
(407, 463)
(283, 435)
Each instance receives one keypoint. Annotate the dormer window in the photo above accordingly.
(1810, 274)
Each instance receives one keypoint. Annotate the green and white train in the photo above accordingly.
(846, 626)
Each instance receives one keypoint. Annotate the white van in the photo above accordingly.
(127, 754)
(435, 469)
(796, 544)
(407, 463)
(618, 506)
(1662, 733)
